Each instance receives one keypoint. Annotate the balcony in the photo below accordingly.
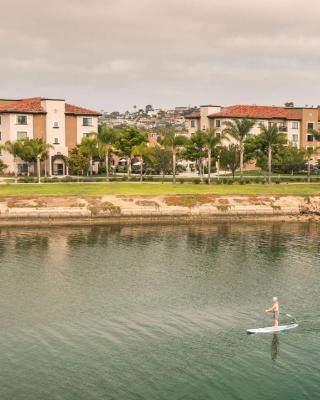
(283, 128)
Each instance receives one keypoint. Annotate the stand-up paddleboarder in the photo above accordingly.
(275, 309)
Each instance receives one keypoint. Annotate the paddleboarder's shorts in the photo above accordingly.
(276, 314)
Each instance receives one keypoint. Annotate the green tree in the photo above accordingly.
(230, 158)
(33, 151)
(271, 137)
(212, 139)
(89, 147)
(140, 151)
(163, 161)
(126, 139)
(239, 129)
(106, 142)
(3, 166)
(175, 143)
(77, 162)
(15, 149)
(195, 150)
(288, 159)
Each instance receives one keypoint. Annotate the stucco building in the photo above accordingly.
(294, 122)
(54, 121)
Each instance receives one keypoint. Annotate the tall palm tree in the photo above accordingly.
(15, 149)
(140, 151)
(239, 129)
(272, 137)
(88, 146)
(106, 140)
(37, 150)
(308, 152)
(173, 142)
(212, 139)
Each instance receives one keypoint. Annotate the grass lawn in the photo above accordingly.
(125, 188)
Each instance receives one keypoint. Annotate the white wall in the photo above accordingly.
(85, 129)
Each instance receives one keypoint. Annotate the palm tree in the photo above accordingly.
(106, 140)
(37, 150)
(173, 142)
(15, 149)
(88, 146)
(212, 139)
(239, 130)
(140, 151)
(309, 151)
(272, 137)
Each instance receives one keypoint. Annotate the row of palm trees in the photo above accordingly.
(32, 151)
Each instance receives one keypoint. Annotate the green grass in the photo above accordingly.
(125, 188)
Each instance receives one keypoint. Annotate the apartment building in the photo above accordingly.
(54, 121)
(294, 122)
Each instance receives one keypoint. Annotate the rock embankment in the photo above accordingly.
(122, 208)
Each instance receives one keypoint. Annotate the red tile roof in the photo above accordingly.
(248, 111)
(33, 106)
(71, 109)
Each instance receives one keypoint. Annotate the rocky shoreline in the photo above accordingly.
(41, 210)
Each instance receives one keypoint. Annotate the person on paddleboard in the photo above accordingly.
(275, 309)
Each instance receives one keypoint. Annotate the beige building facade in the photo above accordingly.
(54, 121)
(294, 122)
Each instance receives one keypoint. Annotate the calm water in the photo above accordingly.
(158, 312)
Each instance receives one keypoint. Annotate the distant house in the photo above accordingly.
(53, 120)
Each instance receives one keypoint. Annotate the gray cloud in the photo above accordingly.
(112, 54)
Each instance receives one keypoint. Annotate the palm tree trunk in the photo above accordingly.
(209, 166)
(309, 168)
(45, 167)
(107, 165)
(38, 169)
(129, 167)
(218, 167)
(141, 169)
(162, 172)
(173, 166)
(201, 170)
(269, 162)
(241, 160)
(15, 169)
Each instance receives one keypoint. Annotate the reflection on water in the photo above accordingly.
(275, 346)
(158, 312)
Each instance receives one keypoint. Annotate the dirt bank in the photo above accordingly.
(148, 209)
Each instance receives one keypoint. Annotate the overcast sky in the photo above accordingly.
(113, 54)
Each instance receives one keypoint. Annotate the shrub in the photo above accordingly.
(181, 180)
(196, 181)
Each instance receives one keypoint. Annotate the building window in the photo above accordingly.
(310, 138)
(310, 125)
(295, 138)
(87, 121)
(218, 123)
(22, 135)
(22, 120)
(56, 141)
(193, 123)
(295, 125)
(0, 136)
(0, 119)
(23, 168)
(56, 124)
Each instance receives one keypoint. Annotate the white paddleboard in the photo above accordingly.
(272, 329)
